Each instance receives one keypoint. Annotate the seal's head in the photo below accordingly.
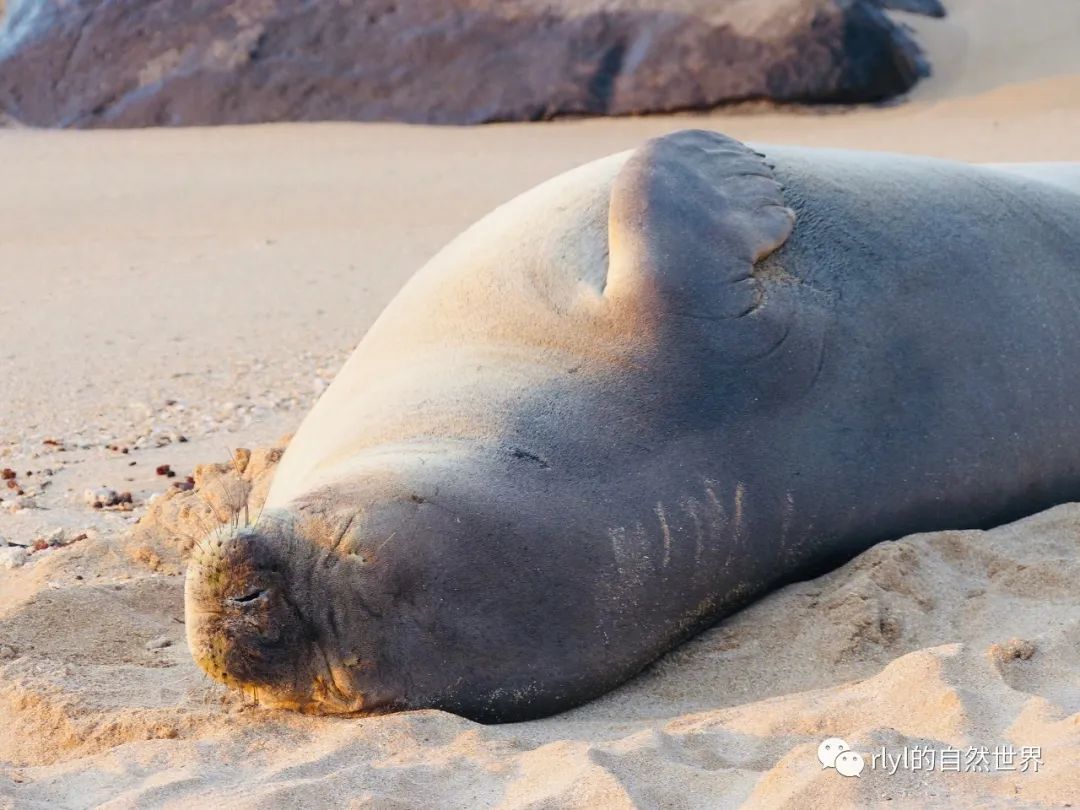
(250, 623)
(357, 597)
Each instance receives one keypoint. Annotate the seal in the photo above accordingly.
(639, 396)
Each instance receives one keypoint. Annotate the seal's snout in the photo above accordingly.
(242, 627)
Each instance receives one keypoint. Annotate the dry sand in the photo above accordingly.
(206, 284)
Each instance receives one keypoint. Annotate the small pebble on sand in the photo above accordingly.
(20, 502)
(57, 537)
(101, 497)
(12, 556)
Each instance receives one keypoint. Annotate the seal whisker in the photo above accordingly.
(259, 514)
(384, 542)
(233, 501)
(196, 541)
(213, 509)
(213, 514)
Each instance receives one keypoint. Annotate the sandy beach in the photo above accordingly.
(168, 296)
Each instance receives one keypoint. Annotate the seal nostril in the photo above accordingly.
(249, 597)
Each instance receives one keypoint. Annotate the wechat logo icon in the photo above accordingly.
(836, 753)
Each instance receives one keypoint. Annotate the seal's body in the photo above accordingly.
(639, 396)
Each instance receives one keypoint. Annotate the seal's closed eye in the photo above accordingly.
(249, 597)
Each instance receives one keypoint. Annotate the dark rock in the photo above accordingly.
(128, 63)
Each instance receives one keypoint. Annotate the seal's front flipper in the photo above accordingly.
(690, 217)
(690, 214)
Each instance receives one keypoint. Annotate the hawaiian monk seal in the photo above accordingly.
(639, 396)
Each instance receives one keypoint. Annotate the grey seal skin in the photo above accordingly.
(640, 396)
